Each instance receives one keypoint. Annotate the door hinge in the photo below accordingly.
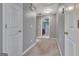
(63, 10)
(5, 25)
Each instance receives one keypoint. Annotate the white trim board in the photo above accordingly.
(59, 47)
(30, 47)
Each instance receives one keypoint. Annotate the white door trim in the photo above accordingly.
(49, 28)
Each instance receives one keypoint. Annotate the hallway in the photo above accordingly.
(44, 47)
(49, 29)
(31, 23)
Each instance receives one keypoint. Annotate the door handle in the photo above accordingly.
(5, 25)
(19, 31)
(66, 33)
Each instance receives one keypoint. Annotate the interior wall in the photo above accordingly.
(76, 32)
(60, 31)
(53, 26)
(0, 27)
(29, 26)
(38, 26)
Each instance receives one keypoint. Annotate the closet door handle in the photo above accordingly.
(6, 26)
(19, 31)
(66, 33)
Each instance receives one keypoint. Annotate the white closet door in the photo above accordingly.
(14, 17)
(69, 38)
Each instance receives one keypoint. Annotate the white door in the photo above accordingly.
(69, 30)
(14, 17)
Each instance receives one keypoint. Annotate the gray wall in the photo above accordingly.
(60, 31)
(29, 27)
(38, 26)
(0, 27)
(76, 32)
(53, 26)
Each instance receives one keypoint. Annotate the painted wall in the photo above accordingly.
(76, 32)
(53, 26)
(0, 28)
(29, 26)
(38, 26)
(60, 31)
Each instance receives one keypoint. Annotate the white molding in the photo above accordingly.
(53, 38)
(4, 40)
(30, 47)
(49, 25)
(59, 47)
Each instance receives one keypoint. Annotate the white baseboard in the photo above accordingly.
(53, 38)
(30, 47)
(59, 47)
(43, 37)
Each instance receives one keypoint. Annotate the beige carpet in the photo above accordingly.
(45, 47)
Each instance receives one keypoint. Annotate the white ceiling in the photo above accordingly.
(41, 7)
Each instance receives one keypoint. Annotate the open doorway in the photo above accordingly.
(45, 27)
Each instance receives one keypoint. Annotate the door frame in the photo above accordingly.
(49, 27)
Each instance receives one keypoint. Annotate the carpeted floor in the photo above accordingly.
(45, 47)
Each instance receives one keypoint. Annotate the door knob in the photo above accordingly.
(5, 25)
(66, 33)
(19, 31)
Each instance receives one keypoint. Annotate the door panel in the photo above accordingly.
(69, 47)
(14, 28)
(69, 31)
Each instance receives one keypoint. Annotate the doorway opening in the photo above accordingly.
(45, 27)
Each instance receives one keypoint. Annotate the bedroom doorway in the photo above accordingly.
(45, 27)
